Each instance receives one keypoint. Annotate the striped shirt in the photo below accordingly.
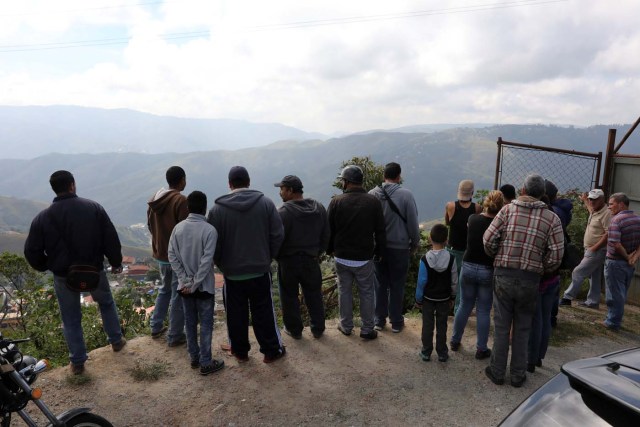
(525, 235)
(624, 229)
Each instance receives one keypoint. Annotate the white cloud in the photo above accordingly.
(565, 62)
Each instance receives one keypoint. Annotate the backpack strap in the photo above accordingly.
(392, 205)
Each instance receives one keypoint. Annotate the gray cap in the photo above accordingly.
(290, 181)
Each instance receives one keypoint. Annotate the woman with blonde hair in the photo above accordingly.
(476, 277)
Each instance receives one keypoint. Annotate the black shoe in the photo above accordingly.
(273, 358)
(317, 334)
(494, 379)
(424, 356)
(455, 346)
(565, 301)
(443, 357)
(396, 329)
(519, 383)
(483, 354)
(195, 364)
(291, 334)
(156, 335)
(539, 363)
(215, 366)
(240, 357)
(531, 367)
(117, 346)
(369, 335)
(343, 330)
(77, 369)
(177, 343)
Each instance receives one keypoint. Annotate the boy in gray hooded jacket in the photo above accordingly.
(191, 249)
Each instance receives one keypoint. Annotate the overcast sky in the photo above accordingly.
(328, 65)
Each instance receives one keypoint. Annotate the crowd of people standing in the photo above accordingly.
(503, 253)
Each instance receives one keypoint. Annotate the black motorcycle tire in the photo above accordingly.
(87, 419)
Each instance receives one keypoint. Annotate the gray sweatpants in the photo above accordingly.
(365, 278)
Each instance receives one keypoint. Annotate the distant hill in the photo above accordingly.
(433, 164)
(27, 132)
(14, 242)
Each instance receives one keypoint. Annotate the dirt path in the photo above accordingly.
(335, 380)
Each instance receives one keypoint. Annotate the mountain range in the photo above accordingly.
(433, 164)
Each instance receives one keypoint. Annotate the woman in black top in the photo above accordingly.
(476, 278)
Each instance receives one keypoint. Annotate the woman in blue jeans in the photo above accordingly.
(476, 277)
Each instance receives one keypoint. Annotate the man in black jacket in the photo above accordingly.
(74, 230)
(357, 235)
(306, 235)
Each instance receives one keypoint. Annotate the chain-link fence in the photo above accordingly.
(569, 170)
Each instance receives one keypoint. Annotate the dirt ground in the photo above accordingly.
(334, 380)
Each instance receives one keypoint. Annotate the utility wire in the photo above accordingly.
(283, 26)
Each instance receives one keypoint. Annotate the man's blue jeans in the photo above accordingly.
(541, 324)
(71, 314)
(199, 309)
(477, 290)
(168, 295)
(391, 278)
(617, 277)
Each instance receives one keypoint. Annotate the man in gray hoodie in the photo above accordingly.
(306, 235)
(250, 233)
(403, 239)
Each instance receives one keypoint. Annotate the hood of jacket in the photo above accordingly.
(240, 200)
(301, 208)
(162, 200)
(438, 260)
(389, 187)
(530, 202)
(564, 204)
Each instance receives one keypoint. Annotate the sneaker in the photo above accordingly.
(519, 383)
(493, 378)
(76, 369)
(531, 367)
(240, 357)
(587, 304)
(455, 346)
(480, 354)
(117, 346)
(195, 364)
(611, 327)
(424, 356)
(397, 329)
(177, 343)
(565, 301)
(378, 328)
(343, 330)
(291, 334)
(279, 355)
(156, 335)
(443, 357)
(369, 335)
(215, 366)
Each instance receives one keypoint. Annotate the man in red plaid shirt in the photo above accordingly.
(527, 242)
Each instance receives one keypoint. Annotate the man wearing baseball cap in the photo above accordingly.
(306, 235)
(595, 249)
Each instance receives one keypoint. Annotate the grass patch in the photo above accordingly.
(149, 371)
(76, 380)
(569, 331)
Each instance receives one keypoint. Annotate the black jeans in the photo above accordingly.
(391, 278)
(435, 312)
(302, 270)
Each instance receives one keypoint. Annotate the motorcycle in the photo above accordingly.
(17, 373)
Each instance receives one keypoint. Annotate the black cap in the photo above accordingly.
(290, 181)
(238, 173)
(550, 189)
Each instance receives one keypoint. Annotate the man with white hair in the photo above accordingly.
(526, 240)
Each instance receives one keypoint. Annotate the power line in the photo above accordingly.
(85, 9)
(283, 26)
